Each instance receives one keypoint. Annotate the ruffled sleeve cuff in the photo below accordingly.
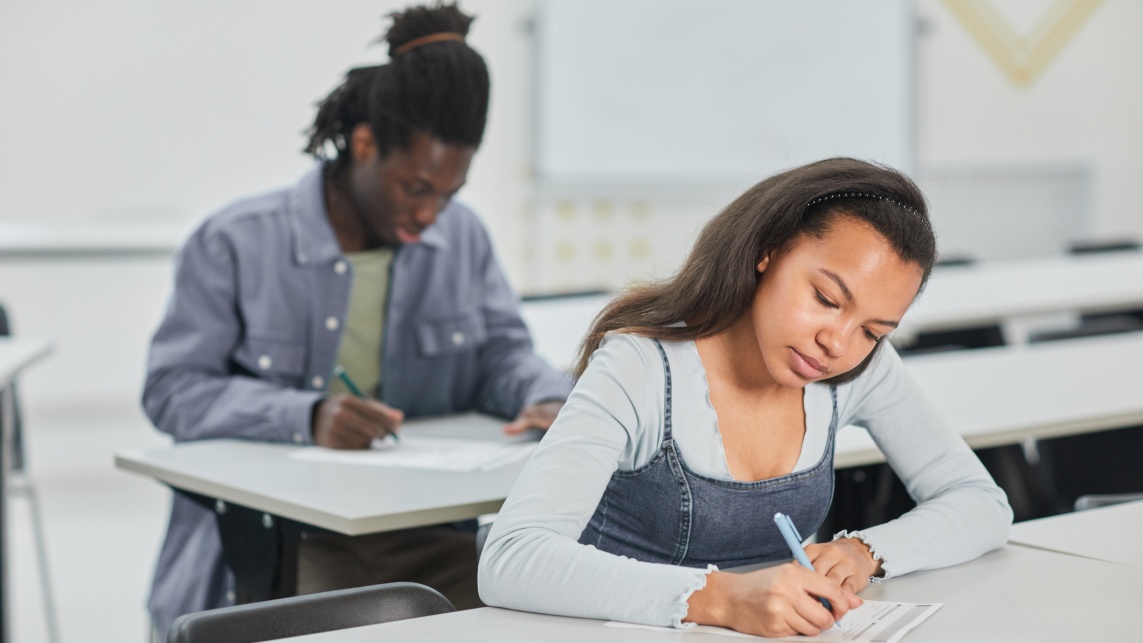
(860, 535)
(681, 606)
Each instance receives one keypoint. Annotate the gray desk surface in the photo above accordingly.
(348, 499)
(1111, 534)
(992, 396)
(1015, 594)
(17, 353)
(956, 297)
(989, 292)
(20, 240)
(1004, 395)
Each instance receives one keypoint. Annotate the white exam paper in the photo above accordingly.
(873, 622)
(441, 454)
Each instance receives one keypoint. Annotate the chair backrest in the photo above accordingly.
(310, 614)
(16, 457)
(1096, 246)
(1095, 501)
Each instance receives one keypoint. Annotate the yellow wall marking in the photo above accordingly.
(1022, 59)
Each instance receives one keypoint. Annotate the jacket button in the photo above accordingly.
(331, 323)
(339, 267)
(264, 362)
(457, 338)
(318, 381)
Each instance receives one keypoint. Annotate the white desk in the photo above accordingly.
(265, 500)
(991, 292)
(1110, 534)
(558, 325)
(261, 476)
(956, 297)
(16, 354)
(1005, 395)
(991, 396)
(1012, 595)
(91, 238)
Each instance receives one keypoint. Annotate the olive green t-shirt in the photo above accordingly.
(360, 350)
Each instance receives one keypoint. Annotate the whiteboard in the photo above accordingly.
(717, 90)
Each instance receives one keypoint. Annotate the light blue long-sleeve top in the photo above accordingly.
(613, 421)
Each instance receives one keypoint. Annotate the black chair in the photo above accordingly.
(20, 485)
(1083, 503)
(310, 614)
(1099, 246)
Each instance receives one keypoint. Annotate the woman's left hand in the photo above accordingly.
(846, 560)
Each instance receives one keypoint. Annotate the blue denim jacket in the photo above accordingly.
(251, 335)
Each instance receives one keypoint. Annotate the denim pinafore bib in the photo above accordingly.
(663, 512)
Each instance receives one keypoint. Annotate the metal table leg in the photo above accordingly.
(7, 419)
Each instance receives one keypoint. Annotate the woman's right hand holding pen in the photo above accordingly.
(775, 601)
(349, 422)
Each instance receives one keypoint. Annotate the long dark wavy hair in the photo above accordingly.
(715, 286)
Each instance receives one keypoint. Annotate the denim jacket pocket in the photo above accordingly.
(450, 334)
(276, 359)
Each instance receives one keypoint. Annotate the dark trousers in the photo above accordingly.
(442, 557)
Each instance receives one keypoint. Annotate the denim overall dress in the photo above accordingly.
(663, 512)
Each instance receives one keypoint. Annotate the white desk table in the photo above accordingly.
(351, 500)
(557, 325)
(1005, 395)
(1013, 595)
(91, 238)
(265, 500)
(992, 396)
(1110, 534)
(16, 354)
(992, 292)
(955, 297)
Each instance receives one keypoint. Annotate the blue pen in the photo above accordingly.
(794, 542)
(344, 377)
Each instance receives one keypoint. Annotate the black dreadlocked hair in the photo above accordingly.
(439, 87)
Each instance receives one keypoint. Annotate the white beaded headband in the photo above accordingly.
(866, 195)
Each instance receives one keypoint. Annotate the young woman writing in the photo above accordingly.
(707, 403)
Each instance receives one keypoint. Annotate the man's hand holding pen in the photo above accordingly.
(350, 422)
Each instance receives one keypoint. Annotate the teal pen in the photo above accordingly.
(344, 377)
(794, 542)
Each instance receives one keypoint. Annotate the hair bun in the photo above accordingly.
(421, 21)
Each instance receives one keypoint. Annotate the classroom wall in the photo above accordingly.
(1014, 167)
(1084, 107)
(104, 90)
(81, 95)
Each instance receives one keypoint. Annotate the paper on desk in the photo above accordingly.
(441, 454)
(874, 622)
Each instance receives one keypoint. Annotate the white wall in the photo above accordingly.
(124, 112)
(126, 109)
(977, 130)
(110, 85)
(1084, 108)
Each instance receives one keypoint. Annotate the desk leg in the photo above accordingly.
(7, 422)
